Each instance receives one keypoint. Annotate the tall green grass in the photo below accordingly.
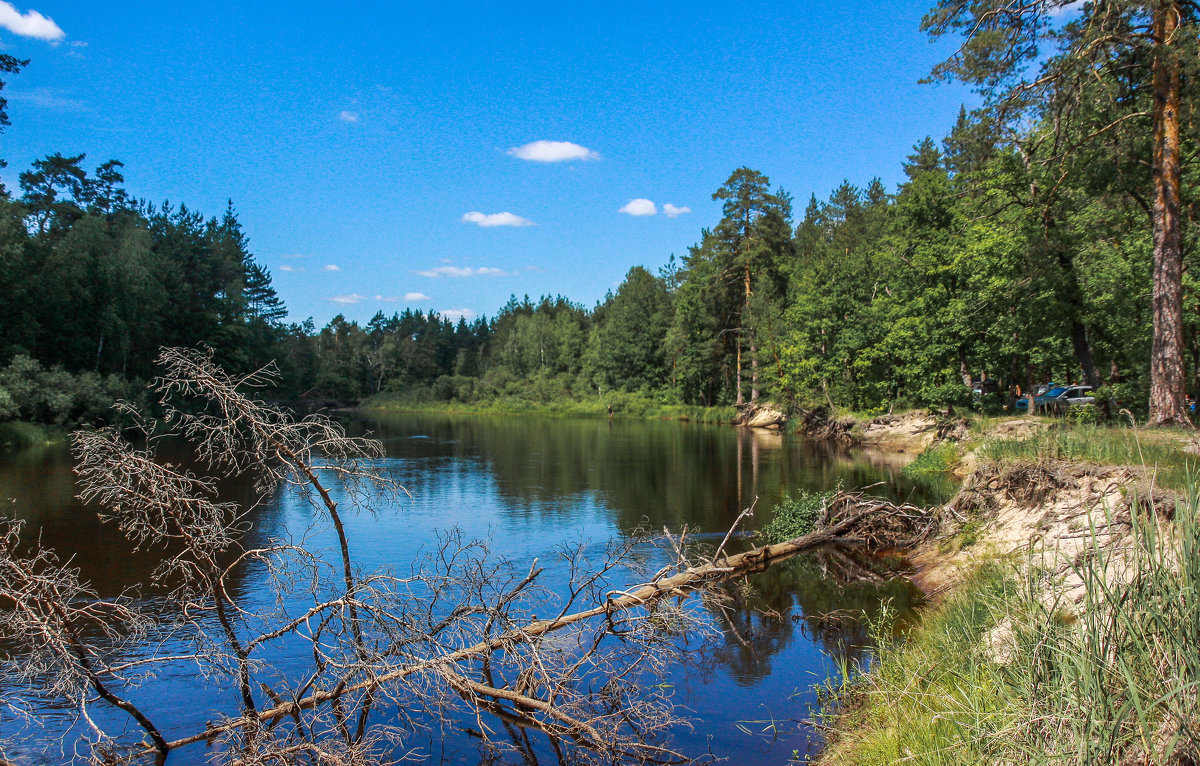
(937, 460)
(1002, 673)
(1106, 445)
(932, 698)
(1117, 680)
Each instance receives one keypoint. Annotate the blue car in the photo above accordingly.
(1059, 399)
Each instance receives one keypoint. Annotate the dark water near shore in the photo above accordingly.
(529, 484)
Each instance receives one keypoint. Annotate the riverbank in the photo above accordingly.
(1062, 621)
(623, 404)
(15, 434)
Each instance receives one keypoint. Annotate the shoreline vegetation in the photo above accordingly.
(623, 404)
(1062, 586)
(1062, 591)
(1061, 617)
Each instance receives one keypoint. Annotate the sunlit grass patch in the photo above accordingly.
(1161, 453)
(936, 460)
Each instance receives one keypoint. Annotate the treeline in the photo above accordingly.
(92, 284)
(1050, 236)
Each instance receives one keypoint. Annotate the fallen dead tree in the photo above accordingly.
(457, 635)
(851, 518)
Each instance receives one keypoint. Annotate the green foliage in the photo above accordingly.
(938, 459)
(796, 515)
(933, 697)
(19, 434)
(1005, 671)
(33, 393)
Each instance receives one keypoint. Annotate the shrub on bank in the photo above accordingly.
(796, 515)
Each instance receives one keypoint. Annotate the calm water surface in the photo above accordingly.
(528, 485)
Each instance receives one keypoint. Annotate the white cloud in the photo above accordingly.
(332, 267)
(29, 24)
(495, 219)
(456, 314)
(345, 116)
(639, 207)
(286, 267)
(295, 255)
(460, 271)
(416, 297)
(356, 298)
(671, 211)
(553, 151)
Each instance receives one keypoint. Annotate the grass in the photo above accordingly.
(1159, 451)
(17, 433)
(937, 460)
(1003, 671)
(931, 699)
(623, 405)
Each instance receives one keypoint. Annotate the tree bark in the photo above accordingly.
(854, 528)
(1083, 354)
(748, 323)
(1167, 369)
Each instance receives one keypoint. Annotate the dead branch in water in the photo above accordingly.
(458, 633)
(851, 518)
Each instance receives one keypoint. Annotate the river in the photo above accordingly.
(527, 485)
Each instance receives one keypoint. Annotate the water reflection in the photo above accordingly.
(531, 483)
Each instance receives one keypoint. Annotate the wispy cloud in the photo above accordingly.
(346, 116)
(295, 255)
(332, 267)
(416, 297)
(295, 269)
(47, 98)
(553, 151)
(456, 314)
(356, 298)
(673, 211)
(29, 24)
(639, 207)
(495, 219)
(461, 271)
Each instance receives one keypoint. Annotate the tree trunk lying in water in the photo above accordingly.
(850, 519)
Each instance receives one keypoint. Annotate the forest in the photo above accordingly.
(1050, 235)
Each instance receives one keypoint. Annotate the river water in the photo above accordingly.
(529, 484)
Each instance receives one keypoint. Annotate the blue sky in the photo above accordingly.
(371, 148)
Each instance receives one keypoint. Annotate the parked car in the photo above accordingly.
(1060, 399)
(1038, 391)
(1043, 388)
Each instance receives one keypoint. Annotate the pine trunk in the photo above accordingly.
(748, 323)
(1167, 373)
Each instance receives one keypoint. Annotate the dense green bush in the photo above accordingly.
(33, 393)
(796, 515)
